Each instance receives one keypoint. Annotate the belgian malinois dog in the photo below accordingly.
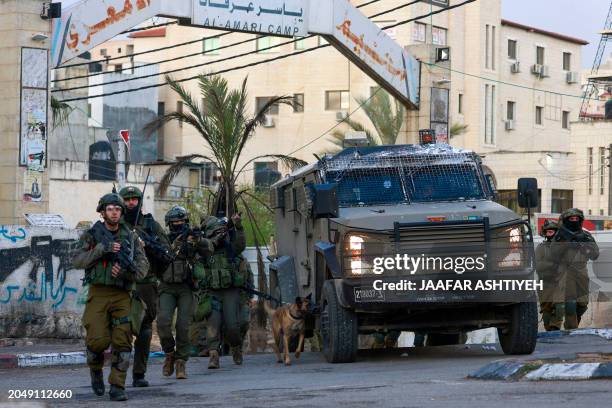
(288, 321)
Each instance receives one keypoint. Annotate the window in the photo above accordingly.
(493, 48)
(487, 42)
(89, 110)
(460, 104)
(418, 32)
(209, 174)
(298, 103)
(538, 115)
(567, 61)
(129, 49)
(510, 110)
(601, 212)
(118, 67)
(261, 101)
(322, 41)
(561, 200)
(179, 109)
(602, 170)
(509, 199)
(590, 169)
(264, 43)
(438, 35)
(489, 114)
(211, 46)
(300, 44)
(512, 49)
(540, 55)
(119, 50)
(103, 52)
(565, 120)
(336, 100)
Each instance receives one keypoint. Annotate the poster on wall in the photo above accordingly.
(34, 105)
(439, 114)
(32, 186)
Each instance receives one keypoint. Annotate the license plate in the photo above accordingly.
(368, 295)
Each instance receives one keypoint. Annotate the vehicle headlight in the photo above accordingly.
(507, 247)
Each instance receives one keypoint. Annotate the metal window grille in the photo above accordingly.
(405, 174)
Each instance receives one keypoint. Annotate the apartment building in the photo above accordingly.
(514, 86)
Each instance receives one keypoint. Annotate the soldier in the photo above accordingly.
(176, 290)
(113, 259)
(224, 280)
(552, 297)
(157, 250)
(579, 247)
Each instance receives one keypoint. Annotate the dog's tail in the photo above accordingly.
(269, 309)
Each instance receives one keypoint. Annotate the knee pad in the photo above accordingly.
(94, 358)
(121, 360)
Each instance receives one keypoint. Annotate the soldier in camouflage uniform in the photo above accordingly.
(552, 297)
(176, 290)
(113, 259)
(225, 279)
(577, 248)
(157, 250)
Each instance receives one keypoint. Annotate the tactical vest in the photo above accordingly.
(100, 273)
(219, 272)
(146, 223)
(178, 271)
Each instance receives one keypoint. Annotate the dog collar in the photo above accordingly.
(294, 317)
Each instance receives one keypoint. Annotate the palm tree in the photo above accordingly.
(60, 112)
(221, 119)
(457, 129)
(386, 116)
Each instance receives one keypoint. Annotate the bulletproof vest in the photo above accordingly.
(178, 271)
(100, 273)
(221, 272)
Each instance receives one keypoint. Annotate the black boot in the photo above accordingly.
(117, 393)
(97, 382)
(138, 380)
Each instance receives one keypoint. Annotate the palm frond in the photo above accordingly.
(457, 129)
(60, 112)
(175, 169)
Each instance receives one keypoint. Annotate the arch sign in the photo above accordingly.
(89, 23)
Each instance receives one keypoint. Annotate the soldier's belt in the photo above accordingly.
(120, 321)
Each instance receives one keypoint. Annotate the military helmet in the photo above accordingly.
(549, 225)
(213, 224)
(572, 212)
(111, 198)
(177, 213)
(130, 192)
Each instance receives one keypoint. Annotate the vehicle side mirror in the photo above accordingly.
(324, 200)
(528, 193)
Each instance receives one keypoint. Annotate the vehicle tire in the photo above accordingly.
(338, 328)
(444, 339)
(521, 334)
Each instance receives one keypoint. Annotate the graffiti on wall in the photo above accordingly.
(36, 268)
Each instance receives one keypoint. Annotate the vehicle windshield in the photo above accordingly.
(371, 186)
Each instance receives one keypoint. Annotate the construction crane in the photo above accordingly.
(591, 87)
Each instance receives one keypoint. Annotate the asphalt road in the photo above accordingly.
(424, 377)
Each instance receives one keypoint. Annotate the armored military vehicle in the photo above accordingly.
(336, 218)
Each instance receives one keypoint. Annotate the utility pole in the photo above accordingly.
(610, 179)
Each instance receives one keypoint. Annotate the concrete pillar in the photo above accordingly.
(19, 21)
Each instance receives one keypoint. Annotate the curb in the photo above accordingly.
(531, 371)
(603, 333)
(29, 360)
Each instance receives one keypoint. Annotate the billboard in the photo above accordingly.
(285, 18)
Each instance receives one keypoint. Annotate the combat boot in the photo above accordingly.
(117, 393)
(138, 380)
(180, 370)
(237, 355)
(169, 364)
(213, 361)
(97, 382)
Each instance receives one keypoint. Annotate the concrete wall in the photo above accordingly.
(40, 294)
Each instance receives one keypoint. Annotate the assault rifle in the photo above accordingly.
(125, 256)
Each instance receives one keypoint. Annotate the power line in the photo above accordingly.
(147, 52)
(151, 27)
(428, 14)
(174, 45)
(152, 63)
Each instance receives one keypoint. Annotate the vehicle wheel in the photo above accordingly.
(521, 334)
(444, 339)
(338, 328)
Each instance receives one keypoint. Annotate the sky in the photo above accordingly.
(577, 18)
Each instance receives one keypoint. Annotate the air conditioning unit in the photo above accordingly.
(515, 68)
(268, 122)
(536, 69)
(572, 77)
(544, 71)
(341, 115)
(510, 124)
